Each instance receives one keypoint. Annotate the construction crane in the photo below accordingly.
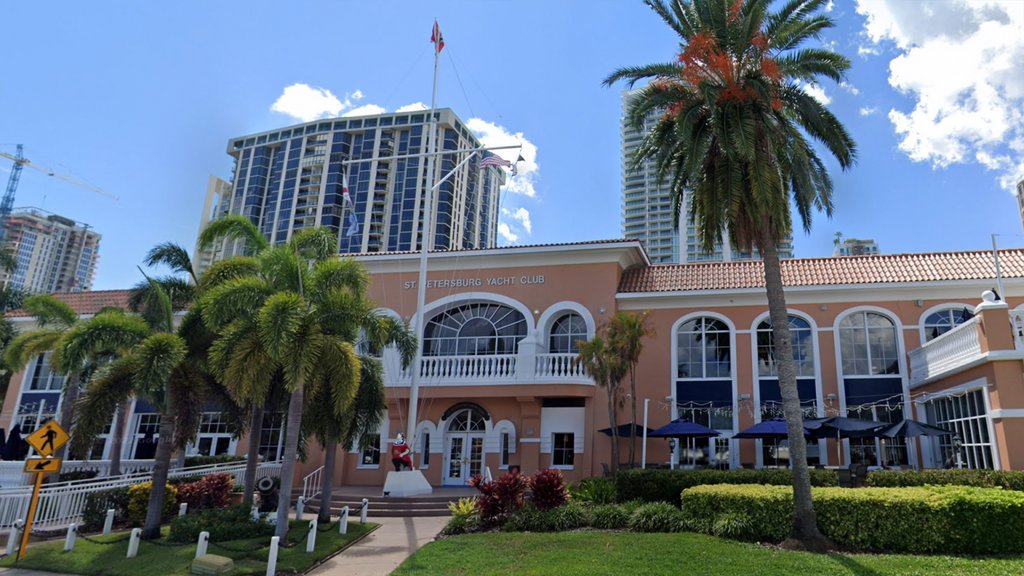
(7, 203)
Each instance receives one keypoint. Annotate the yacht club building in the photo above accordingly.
(881, 336)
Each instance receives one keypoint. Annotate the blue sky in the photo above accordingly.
(141, 99)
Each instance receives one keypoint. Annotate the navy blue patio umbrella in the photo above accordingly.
(682, 428)
(841, 427)
(773, 429)
(908, 429)
(12, 449)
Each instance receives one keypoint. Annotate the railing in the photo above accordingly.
(12, 473)
(559, 366)
(955, 348)
(496, 366)
(311, 484)
(62, 503)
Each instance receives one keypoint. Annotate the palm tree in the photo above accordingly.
(291, 316)
(607, 369)
(736, 128)
(626, 333)
(56, 323)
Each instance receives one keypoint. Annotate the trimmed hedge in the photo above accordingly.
(97, 503)
(666, 485)
(231, 523)
(1008, 479)
(933, 519)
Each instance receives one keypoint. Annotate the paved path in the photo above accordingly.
(384, 549)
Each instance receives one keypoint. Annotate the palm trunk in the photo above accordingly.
(291, 449)
(117, 439)
(612, 419)
(805, 527)
(161, 467)
(255, 429)
(67, 409)
(632, 422)
(327, 485)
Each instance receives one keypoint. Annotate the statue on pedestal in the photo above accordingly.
(401, 454)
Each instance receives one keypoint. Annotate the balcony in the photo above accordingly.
(959, 347)
(526, 367)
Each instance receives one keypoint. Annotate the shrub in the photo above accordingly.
(1010, 480)
(528, 519)
(656, 517)
(465, 507)
(94, 513)
(932, 519)
(77, 475)
(223, 524)
(547, 489)
(211, 491)
(138, 501)
(597, 490)
(500, 497)
(569, 517)
(609, 517)
(665, 485)
(456, 525)
(209, 460)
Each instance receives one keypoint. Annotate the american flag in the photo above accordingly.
(493, 160)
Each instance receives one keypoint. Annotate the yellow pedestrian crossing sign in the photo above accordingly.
(48, 438)
(43, 465)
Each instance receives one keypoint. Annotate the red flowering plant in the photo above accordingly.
(499, 498)
(548, 490)
(211, 491)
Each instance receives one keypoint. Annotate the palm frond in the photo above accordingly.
(155, 358)
(108, 387)
(173, 256)
(236, 298)
(228, 269)
(282, 320)
(316, 244)
(50, 311)
(26, 347)
(233, 227)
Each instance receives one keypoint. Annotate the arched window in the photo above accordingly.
(468, 420)
(703, 349)
(803, 347)
(474, 329)
(873, 386)
(941, 321)
(566, 334)
(703, 388)
(868, 345)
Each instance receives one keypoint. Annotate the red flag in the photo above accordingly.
(437, 38)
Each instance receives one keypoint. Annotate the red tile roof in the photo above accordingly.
(86, 302)
(875, 269)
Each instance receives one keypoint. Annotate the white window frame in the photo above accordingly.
(571, 450)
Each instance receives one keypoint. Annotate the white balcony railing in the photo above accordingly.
(492, 367)
(956, 348)
(559, 366)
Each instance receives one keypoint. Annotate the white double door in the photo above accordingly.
(463, 457)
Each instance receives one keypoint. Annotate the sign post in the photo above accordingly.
(46, 440)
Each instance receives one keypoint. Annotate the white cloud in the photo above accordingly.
(522, 215)
(829, 6)
(365, 110)
(414, 107)
(962, 64)
(307, 103)
(849, 88)
(817, 92)
(868, 111)
(507, 233)
(865, 51)
(491, 134)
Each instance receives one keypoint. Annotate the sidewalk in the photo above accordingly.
(384, 549)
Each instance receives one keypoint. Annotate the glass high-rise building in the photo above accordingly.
(53, 253)
(289, 179)
(647, 210)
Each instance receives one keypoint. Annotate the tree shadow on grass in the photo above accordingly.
(851, 564)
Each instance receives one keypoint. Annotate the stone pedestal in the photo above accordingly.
(406, 483)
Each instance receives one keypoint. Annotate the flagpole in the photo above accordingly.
(425, 245)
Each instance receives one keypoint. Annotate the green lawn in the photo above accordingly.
(109, 560)
(593, 553)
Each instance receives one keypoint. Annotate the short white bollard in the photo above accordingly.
(133, 543)
(343, 521)
(311, 538)
(255, 513)
(14, 536)
(364, 511)
(300, 504)
(182, 509)
(272, 558)
(69, 540)
(108, 524)
(204, 539)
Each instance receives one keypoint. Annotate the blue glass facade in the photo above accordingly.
(292, 179)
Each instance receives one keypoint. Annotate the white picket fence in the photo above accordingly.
(62, 503)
